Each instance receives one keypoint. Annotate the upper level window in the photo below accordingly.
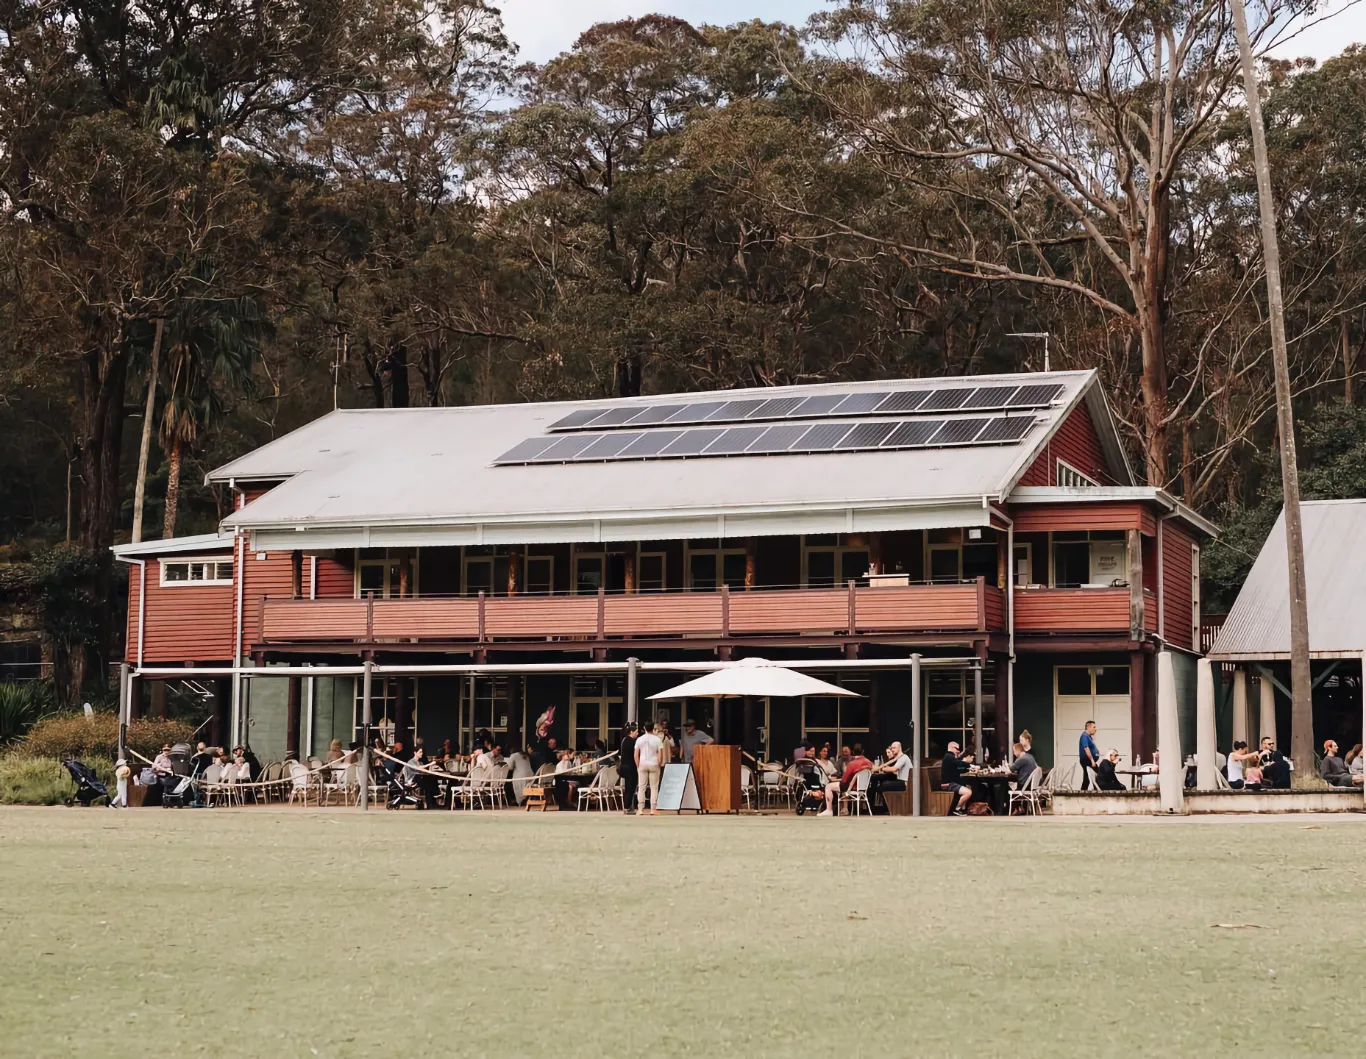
(1095, 557)
(830, 559)
(1071, 478)
(196, 571)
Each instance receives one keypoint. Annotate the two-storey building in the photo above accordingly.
(994, 517)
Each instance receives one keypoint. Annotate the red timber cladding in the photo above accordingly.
(1083, 515)
(1177, 587)
(1072, 610)
(930, 607)
(183, 622)
(1075, 443)
(303, 619)
(666, 614)
(272, 576)
(335, 580)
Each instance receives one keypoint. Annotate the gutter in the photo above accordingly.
(240, 573)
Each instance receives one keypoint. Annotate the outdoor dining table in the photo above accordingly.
(998, 788)
(1136, 775)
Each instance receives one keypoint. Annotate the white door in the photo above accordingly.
(1091, 693)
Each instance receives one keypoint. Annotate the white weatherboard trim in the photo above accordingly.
(725, 526)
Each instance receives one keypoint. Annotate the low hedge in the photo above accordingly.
(26, 780)
(96, 739)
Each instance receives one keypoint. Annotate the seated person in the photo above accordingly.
(951, 779)
(825, 762)
(1333, 769)
(1238, 762)
(1106, 779)
(1024, 764)
(162, 762)
(1355, 760)
(1275, 767)
(892, 776)
(423, 782)
(240, 765)
(833, 790)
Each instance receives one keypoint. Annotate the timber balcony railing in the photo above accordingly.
(724, 613)
(1079, 610)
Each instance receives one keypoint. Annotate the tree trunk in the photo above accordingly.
(398, 376)
(172, 489)
(145, 451)
(1301, 693)
(1346, 359)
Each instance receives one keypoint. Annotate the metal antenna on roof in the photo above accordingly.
(1033, 334)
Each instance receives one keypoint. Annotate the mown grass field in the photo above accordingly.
(283, 933)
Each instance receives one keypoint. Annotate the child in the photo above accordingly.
(122, 773)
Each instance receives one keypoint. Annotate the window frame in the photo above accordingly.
(389, 563)
(964, 733)
(719, 553)
(663, 558)
(838, 550)
(841, 731)
(1074, 478)
(203, 560)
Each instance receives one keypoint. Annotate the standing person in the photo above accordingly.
(693, 737)
(648, 753)
(121, 773)
(627, 768)
(1089, 754)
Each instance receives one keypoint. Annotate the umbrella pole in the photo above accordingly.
(915, 735)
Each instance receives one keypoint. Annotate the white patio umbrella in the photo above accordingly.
(757, 677)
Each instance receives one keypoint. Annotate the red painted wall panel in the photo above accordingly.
(1178, 589)
(183, 623)
(1076, 443)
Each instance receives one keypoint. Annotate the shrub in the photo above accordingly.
(28, 780)
(21, 707)
(96, 739)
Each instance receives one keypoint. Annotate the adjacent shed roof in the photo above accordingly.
(1258, 626)
(199, 542)
(422, 477)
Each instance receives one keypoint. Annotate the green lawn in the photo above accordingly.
(284, 933)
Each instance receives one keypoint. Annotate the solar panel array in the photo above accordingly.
(770, 440)
(821, 406)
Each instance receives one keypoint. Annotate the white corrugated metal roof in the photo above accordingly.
(403, 473)
(1258, 626)
(199, 542)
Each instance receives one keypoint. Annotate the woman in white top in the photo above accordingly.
(1236, 760)
(824, 763)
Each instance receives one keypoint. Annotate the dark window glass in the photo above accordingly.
(944, 564)
(703, 570)
(979, 560)
(1071, 565)
(1074, 680)
(853, 566)
(1113, 680)
(733, 568)
(820, 568)
(822, 712)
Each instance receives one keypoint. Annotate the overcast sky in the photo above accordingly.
(544, 28)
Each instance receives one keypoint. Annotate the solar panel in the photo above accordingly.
(525, 450)
(696, 413)
(649, 444)
(736, 440)
(733, 411)
(958, 431)
(866, 436)
(859, 403)
(614, 417)
(916, 432)
(775, 408)
(1006, 429)
(779, 438)
(692, 442)
(608, 445)
(946, 400)
(576, 419)
(989, 397)
(905, 401)
(565, 448)
(655, 413)
(820, 405)
(1036, 396)
(823, 437)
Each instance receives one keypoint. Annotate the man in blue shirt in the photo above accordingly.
(1089, 754)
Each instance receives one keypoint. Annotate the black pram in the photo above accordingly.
(811, 794)
(88, 787)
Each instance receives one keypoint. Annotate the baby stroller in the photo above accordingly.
(88, 788)
(401, 793)
(811, 794)
(176, 791)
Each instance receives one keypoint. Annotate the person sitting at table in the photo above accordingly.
(825, 762)
(802, 752)
(842, 758)
(1027, 741)
(1333, 769)
(1355, 761)
(892, 776)
(1023, 766)
(334, 751)
(1275, 767)
(951, 770)
(423, 782)
(833, 790)
(1106, 780)
(1238, 761)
